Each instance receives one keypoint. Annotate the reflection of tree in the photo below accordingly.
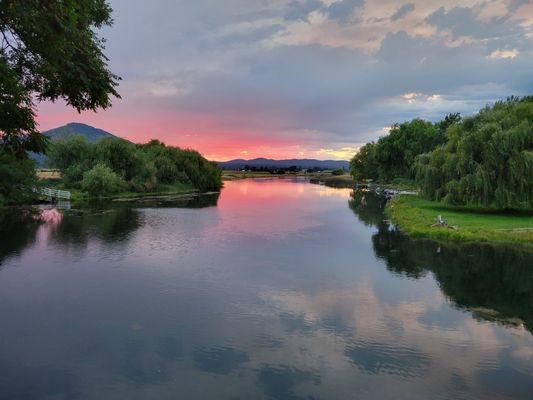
(109, 225)
(493, 282)
(109, 222)
(17, 230)
(367, 206)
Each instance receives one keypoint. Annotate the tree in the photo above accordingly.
(17, 178)
(396, 152)
(73, 156)
(140, 167)
(50, 50)
(393, 155)
(363, 165)
(487, 161)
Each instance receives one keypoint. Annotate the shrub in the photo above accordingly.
(338, 172)
(101, 181)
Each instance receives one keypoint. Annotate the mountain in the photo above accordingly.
(72, 129)
(305, 163)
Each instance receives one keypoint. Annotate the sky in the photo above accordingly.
(303, 78)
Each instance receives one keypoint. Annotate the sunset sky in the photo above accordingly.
(303, 78)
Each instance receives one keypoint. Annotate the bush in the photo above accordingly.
(101, 181)
(338, 172)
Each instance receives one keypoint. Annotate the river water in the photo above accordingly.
(276, 289)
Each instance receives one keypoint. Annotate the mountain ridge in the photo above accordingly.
(306, 163)
(91, 133)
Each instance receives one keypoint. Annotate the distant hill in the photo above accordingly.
(74, 128)
(305, 163)
(69, 130)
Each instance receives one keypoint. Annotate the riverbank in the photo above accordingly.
(179, 189)
(416, 217)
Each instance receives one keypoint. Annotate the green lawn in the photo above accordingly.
(415, 216)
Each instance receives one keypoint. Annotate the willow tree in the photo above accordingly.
(487, 160)
(50, 50)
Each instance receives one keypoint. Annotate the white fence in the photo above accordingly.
(56, 194)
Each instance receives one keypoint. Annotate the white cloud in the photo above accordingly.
(343, 153)
(498, 54)
(420, 97)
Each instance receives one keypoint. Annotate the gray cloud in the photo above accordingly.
(227, 61)
(402, 11)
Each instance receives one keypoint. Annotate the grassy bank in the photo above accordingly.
(415, 216)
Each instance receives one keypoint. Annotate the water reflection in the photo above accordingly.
(495, 283)
(17, 231)
(278, 292)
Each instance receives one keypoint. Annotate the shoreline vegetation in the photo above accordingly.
(475, 172)
(113, 168)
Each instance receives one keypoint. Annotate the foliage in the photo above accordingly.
(487, 160)
(143, 168)
(73, 157)
(392, 156)
(50, 51)
(337, 172)
(101, 181)
(189, 165)
(363, 165)
(396, 152)
(17, 179)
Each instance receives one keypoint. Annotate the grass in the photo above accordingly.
(415, 216)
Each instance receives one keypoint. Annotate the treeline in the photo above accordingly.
(115, 165)
(483, 160)
(293, 169)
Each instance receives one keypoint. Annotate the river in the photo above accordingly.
(276, 289)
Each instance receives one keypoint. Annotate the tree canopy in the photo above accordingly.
(117, 163)
(487, 159)
(393, 155)
(50, 50)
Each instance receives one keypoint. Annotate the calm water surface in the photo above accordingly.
(277, 289)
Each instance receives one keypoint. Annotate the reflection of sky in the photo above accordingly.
(274, 293)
